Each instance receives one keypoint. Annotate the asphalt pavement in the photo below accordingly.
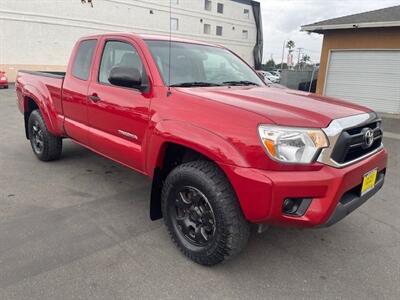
(78, 228)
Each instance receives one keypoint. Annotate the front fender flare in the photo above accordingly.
(205, 142)
(201, 140)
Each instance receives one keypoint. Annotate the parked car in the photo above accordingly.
(269, 82)
(222, 149)
(266, 75)
(276, 73)
(271, 77)
(3, 80)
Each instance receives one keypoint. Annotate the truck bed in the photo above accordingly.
(48, 84)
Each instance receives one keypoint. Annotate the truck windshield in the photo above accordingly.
(200, 65)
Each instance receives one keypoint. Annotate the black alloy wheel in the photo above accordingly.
(37, 139)
(193, 216)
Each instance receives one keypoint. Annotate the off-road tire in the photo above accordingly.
(231, 229)
(51, 145)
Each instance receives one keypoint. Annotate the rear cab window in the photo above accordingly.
(83, 59)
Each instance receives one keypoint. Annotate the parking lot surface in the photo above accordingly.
(78, 228)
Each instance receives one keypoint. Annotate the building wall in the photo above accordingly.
(39, 34)
(379, 38)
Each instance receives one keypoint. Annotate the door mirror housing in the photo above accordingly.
(126, 77)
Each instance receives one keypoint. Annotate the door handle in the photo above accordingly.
(94, 97)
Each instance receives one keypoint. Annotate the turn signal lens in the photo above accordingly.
(269, 144)
(319, 138)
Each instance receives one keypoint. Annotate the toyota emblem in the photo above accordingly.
(368, 138)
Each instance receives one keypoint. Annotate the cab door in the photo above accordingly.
(75, 88)
(118, 116)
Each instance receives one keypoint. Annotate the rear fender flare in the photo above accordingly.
(43, 101)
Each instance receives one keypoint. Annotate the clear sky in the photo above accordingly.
(282, 20)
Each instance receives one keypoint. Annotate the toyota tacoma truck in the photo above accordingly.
(223, 149)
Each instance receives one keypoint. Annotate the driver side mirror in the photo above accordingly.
(126, 77)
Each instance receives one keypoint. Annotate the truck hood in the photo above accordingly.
(281, 106)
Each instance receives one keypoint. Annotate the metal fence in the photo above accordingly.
(292, 78)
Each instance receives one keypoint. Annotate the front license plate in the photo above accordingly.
(369, 180)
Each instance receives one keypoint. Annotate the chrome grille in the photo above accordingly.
(347, 139)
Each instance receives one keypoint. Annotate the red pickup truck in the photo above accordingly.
(222, 148)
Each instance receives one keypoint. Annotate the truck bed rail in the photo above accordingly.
(59, 75)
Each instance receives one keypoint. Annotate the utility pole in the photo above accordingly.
(283, 54)
(298, 58)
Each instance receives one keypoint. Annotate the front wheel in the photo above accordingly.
(202, 213)
(45, 145)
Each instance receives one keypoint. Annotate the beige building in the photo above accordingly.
(360, 59)
(39, 34)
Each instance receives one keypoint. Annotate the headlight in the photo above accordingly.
(292, 144)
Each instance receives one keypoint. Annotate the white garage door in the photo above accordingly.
(370, 78)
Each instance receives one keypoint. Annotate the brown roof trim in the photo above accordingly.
(322, 28)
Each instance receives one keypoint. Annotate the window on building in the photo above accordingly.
(174, 24)
(245, 34)
(207, 28)
(83, 59)
(207, 5)
(219, 30)
(246, 13)
(119, 54)
(220, 8)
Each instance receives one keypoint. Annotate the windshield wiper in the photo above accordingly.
(240, 82)
(194, 83)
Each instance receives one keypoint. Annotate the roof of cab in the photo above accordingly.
(152, 37)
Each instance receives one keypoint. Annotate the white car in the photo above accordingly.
(271, 77)
(268, 81)
(276, 73)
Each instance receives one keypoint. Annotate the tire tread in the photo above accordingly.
(53, 144)
(237, 230)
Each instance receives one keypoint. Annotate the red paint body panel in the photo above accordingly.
(46, 92)
(218, 122)
(283, 107)
(265, 191)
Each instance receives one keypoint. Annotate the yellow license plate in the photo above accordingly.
(369, 180)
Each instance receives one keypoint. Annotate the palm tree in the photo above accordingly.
(88, 1)
(304, 60)
(290, 45)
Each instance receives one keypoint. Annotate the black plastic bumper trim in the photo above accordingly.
(352, 200)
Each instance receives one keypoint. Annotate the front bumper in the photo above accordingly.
(352, 199)
(334, 191)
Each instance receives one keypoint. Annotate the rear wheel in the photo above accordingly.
(202, 213)
(45, 145)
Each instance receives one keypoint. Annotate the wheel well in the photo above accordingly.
(30, 107)
(171, 156)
